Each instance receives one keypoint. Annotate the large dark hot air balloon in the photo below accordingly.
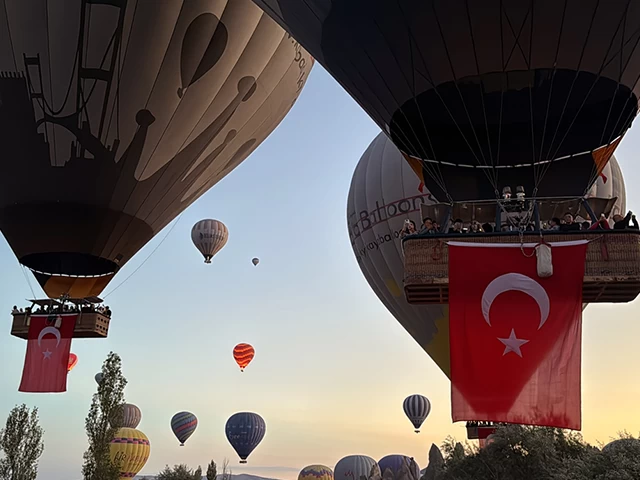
(482, 95)
(116, 116)
(245, 431)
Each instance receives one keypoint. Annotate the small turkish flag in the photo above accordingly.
(515, 338)
(47, 358)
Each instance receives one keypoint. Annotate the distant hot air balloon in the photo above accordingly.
(255, 261)
(394, 464)
(315, 472)
(243, 353)
(354, 467)
(417, 409)
(98, 378)
(183, 425)
(127, 416)
(245, 431)
(101, 103)
(209, 236)
(129, 450)
(73, 360)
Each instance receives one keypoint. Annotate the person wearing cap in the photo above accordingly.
(457, 226)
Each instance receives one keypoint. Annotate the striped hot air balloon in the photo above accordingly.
(315, 472)
(129, 450)
(128, 416)
(183, 425)
(354, 467)
(243, 353)
(417, 408)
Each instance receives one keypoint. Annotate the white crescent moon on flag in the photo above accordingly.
(520, 283)
(49, 331)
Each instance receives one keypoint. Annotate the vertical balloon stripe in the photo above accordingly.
(353, 467)
(417, 409)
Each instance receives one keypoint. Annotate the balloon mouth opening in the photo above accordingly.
(68, 264)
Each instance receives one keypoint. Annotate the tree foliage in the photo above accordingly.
(21, 442)
(180, 472)
(212, 470)
(106, 405)
(519, 452)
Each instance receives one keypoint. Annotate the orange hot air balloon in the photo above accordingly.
(243, 353)
(73, 359)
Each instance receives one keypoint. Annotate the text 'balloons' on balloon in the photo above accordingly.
(245, 431)
(315, 472)
(243, 353)
(183, 424)
(355, 467)
(127, 415)
(129, 451)
(416, 408)
(255, 261)
(209, 236)
(178, 104)
(73, 360)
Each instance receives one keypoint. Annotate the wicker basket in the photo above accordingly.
(88, 325)
(612, 267)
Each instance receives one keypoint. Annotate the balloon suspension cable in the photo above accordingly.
(26, 276)
(148, 257)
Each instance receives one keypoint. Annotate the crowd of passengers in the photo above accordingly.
(66, 308)
(566, 224)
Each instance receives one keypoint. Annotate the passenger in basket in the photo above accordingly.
(569, 225)
(554, 224)
(427, 226)
(623, 223)
(601, 224)
(409, 228)
(487, 228)
(475, 227)
(457, 226)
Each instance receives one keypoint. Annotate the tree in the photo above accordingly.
(180, 472)
(106, 405)
(226, 471)
(21, 442)
(212, 471)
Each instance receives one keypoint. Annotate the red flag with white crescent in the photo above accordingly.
(47, 359)
(515, 337)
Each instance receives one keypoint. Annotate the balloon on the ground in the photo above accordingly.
(73, 360)
(416, 408)
(183, 425)
(209, 236)
(354, 467)
(243, 353)
(255, 261)
(315, 472)
(129, 451)
(127, 415)
(122, 114)
(245, 431)
(395, 464)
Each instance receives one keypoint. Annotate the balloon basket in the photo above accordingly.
(243, 461)
(182, 444)
(417, 431)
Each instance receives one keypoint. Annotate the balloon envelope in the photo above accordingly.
(255, 261)
(98, 377)
(394, 464)
(128, 416)
(129, 450)
(209, 236)
(245, 431)
(183, 424)
(118, 117)
(243, 353)
(416, 408)
(315, 472)
(354, 467)
(73, 360)
(385, 192)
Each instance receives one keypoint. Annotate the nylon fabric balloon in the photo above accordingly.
(385, 192)
(73, 360)
(243, 353)
(129, 450)
(127, 416)
(183, 425)
(98, 378)
(118, 116)
(355, 467)
(416, 408)
(245, 431)
(315, 472)
(209, 237)
(395, 463)
(255, 262)
(482, 95)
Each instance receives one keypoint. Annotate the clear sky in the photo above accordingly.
(332, 366)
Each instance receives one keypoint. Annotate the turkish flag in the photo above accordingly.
(47, 358)
(515, 338)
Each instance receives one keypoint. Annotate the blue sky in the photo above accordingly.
(332, 366)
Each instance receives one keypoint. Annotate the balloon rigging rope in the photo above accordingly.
(148, 257)
(26, 276)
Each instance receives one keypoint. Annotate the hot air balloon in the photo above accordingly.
(73, 360)
(395, 463)
(255, 262)
(416, 408)
(209, 236)
(183, 425)
(122, 116)
(315, 472)
(98, 378)
(245, 431)
(127, 416)
(385, 192)
(129, 450)
(243, 353)
(354, 467)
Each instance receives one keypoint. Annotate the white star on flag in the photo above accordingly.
(47, 354)
(512, 344)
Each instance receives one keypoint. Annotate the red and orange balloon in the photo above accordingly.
(243, 353)
(73, 360)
